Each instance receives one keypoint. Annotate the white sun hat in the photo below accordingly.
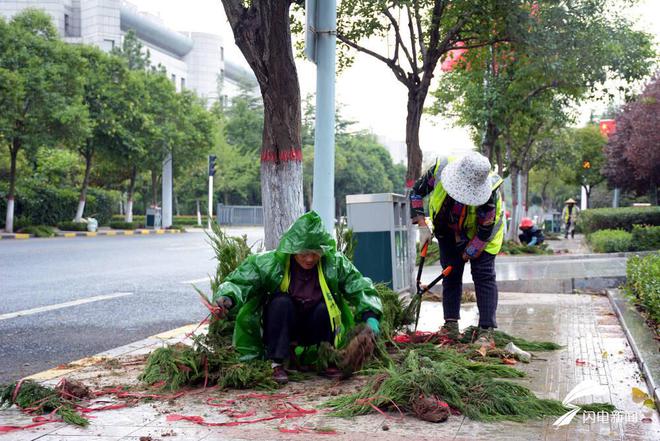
(466, 179)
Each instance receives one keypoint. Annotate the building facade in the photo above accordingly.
(193, 60)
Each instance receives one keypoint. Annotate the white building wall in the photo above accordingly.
(54, 8)
(99, 23)
(173, 65)
(205, 65)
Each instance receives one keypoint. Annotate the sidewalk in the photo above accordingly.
(595, 348)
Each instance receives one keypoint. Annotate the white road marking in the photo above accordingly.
(189, 282)
(63, 305)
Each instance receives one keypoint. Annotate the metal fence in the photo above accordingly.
(240, 215)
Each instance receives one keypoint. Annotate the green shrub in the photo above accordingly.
(513, 248)
(610, 241)
(176, 227)
(593, 220)
(121, 225)
(643, 284)
(38, 230)
(72, 226)
(646, 237)
(37, 203)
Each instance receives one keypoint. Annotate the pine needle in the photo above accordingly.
(502, 339)
(42, 399)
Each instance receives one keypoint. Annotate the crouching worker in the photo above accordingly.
(301, 294)
(531, 234)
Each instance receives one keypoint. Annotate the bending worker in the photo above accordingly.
(531, 234)
(466, 210)
(301, 294)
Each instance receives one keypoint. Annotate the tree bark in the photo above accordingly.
(513, 225)
(154, 188)
(653, 192)
(129, 195)
(524, 182)
(263, 34)
(13, 154)
(199, 213)
(87, 154)
(413, 121)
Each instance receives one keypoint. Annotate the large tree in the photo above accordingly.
(423, 32)
(262, 32)
(105, 76)
(40, 91)
(633, 151)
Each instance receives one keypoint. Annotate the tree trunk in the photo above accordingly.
(653, 192)
(154, 188)
(500, 161)
(199, 214)
(129, 195)
(263, 34)
(415, 109)
(524, 182)
(513, 225)
(13, 153)
(83, 191)
(489, 139)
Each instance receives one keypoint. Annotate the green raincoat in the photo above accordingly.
(250, 285)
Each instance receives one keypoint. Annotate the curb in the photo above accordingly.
(634, 327)
(69, 234)
(154, 341)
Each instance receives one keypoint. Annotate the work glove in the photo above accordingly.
(425, 234)
(374, 325)
(224, 304)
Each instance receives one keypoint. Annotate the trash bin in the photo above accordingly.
(381, 225)
(152, 219)
(92, 224)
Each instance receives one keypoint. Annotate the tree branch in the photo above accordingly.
(396, 69)
(412, 40)
(418, 21)
(399, 41)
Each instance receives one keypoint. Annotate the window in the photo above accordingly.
(222, 53)
(67, 25)
(173, 79)
(183, 83)
(108, 45)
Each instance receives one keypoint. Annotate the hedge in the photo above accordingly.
(38, 204)
(38, 230)
(643, 284)
(593, 220)
(646, 237)
(610, 241)
(185, 220)
(121, 225)
(72, 226)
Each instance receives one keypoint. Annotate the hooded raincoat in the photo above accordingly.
(260, 275)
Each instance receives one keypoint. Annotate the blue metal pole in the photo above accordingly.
(324, 137)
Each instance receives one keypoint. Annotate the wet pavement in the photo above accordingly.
(595, 348)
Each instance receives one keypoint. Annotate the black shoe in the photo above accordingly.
(279, 375)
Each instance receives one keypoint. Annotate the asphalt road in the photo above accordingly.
(64, 299)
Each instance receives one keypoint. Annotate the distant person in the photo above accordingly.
(531, 234)
(301, 294)
(466, 210)
(569, 216)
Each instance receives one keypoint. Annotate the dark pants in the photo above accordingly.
(483, 275)
(286, 322)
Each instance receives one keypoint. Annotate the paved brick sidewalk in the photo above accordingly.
(585, 324)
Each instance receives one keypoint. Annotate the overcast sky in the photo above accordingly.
(368, 90)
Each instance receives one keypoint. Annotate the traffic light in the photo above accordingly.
(586, 165)
(212, 165)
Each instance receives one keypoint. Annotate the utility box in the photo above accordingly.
(152, 218)
(382, 229)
